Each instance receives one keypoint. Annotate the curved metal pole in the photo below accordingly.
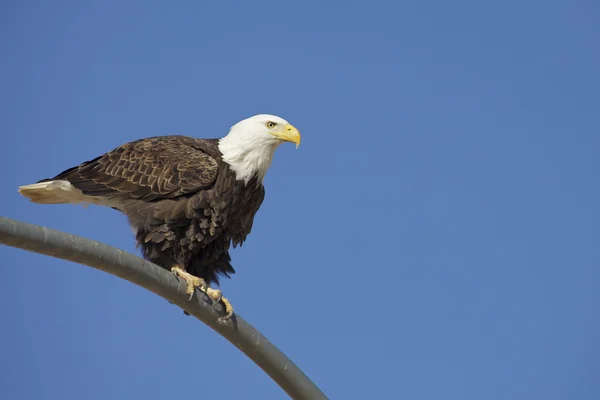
(160, 281)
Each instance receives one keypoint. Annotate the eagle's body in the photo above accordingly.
(187, 199)
(182, 200)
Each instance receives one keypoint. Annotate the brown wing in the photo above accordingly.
(148, 169)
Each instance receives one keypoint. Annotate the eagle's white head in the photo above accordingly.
(251, 143)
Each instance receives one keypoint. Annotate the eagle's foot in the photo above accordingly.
(192, 281)
(217, 296)
(228, 309)
(226, 305)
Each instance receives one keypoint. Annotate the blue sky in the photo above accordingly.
(435, 236)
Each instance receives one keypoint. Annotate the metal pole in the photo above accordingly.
(160, 281)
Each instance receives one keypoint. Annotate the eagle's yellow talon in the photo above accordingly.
(190, 291)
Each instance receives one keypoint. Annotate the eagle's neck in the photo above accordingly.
(247, 158)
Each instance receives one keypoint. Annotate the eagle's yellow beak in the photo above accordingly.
(290, 134)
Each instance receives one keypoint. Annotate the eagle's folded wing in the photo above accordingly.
(149, 169)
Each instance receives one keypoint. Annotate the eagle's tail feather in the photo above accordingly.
(53, 192)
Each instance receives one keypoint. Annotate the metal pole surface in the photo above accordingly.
(162, 282)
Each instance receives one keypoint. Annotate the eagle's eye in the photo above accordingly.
(271, 125)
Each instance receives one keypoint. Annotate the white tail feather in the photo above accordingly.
(56, 192)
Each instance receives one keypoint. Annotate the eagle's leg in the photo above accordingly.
(194, 282)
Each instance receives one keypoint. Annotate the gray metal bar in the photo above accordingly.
(160, 281)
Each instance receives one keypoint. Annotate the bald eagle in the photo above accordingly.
(187, 199)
